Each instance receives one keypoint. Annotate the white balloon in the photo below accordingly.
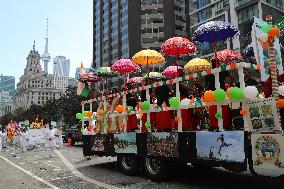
(93, 123)
(250, 92)
(185, 102)
(263, 37)
(281, 90)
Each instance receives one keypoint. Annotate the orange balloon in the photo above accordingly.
(228, 92)
(209, 96)
(280, 103)
(119, 109)
(274, 32)
(90, 114)
(244, 112)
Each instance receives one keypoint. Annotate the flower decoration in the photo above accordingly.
(218, 115)
(227, 56)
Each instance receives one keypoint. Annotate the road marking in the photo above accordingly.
(61, 178)
(22, 163)
(36, 156)
(52, 165)
(29, 173)
(17, 157)
(49, 161)
(80, 175)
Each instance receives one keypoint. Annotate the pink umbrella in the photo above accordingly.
(178, 46)
(135, 80)
(172, 72)
(227, 56)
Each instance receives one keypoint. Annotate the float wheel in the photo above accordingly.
(129, 165)
(155, 169)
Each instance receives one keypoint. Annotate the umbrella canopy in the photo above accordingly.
(135, 80)
(153, 76)
(124, 66)
(105, 72)
(248, 52)
(89, 77)
(148, 57)
(197, 65)
(172, 72)
(178, 46)
(214, 31)
(227, 56)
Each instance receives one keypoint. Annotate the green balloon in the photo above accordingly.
(236, 93)
(219, 95)
(85, 114)
(79, 116)
(218, 115)
(265, 28)
(174, 102)
(145, 105)
(130, 108)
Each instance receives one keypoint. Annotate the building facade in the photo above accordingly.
(6, 103)
(238, 12)
(35, 87)
(7, 83)
(61, 66)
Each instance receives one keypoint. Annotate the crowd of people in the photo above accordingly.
(24, 139)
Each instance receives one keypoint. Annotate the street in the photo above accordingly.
(68, 169)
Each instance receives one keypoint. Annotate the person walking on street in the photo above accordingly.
(58, 139)
(25, 140)
(4, 138)
(1, 138)
(49, 141)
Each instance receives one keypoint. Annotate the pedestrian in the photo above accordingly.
(1, 138)
(4, 138)
(58, 139)
(25, 140)
(49, 141)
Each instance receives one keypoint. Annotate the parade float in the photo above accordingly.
(142, 143)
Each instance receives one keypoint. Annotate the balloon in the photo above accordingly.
(130, 108)
(281, 90)
(263, 37)
(185, 102)
(250, 92)
(89, 114)
(244, 112)
(218, 115)
(236, 93)
(174, 102)
(265, 28)
(145, 105)
(93, 123)
(219, 95)
(274, 32)
(209, 96)
(85, 113)
(119, 109)
(280, 103)
(79, 116)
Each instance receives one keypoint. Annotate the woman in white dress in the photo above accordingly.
(25, 140)
(58, 139)
(4, 138)
(49, 141)
(1, 138)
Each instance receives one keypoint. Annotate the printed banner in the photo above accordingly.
(125, 143)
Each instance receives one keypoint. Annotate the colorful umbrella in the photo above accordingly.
(156, 76)
(178, 46)
(248, 52)
(124, 66)
(197, 65)
(105, 72)
(148, 57)
(214, 31)
(172, 72)
(227, 56)
(89, 77)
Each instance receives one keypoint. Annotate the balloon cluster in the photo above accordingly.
(269, 33)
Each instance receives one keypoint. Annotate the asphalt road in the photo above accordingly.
(69, 169)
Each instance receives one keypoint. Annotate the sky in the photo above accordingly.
(24, 21)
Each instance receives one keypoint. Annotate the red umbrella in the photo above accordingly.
(172, 72)
(227, 56)
(89, 77)
(178, 46)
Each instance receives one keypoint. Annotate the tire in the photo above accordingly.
(129, 165)
(156, 169)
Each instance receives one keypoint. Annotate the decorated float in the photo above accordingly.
(228, 124)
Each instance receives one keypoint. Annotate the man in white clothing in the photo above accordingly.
(58, 139)
(1, 138)
(25, 140)
(4, 138)
(49, 140)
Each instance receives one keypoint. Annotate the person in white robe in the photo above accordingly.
(58, 139)
(4, 138)
(49, 141)
(25, 140)
(1, 138)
